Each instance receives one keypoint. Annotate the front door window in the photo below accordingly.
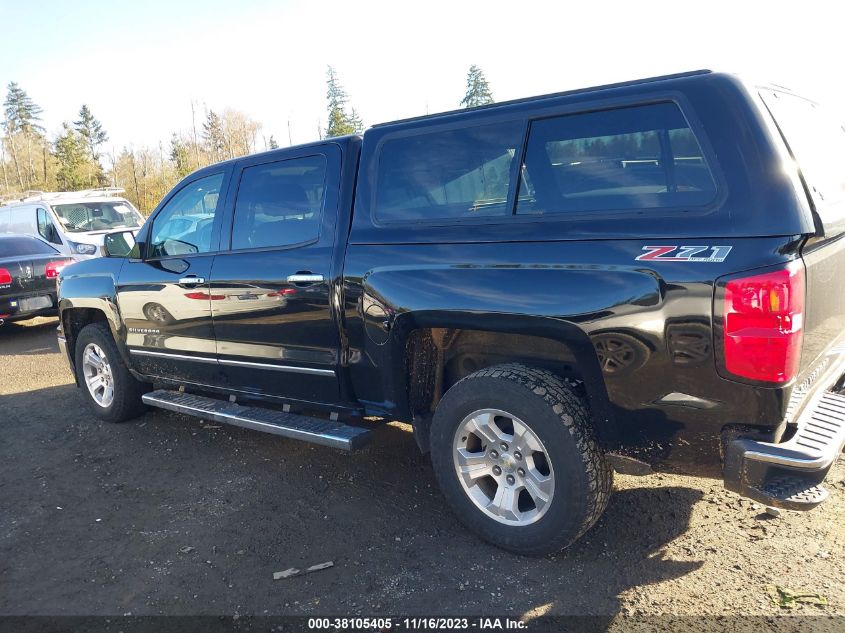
(184, 225)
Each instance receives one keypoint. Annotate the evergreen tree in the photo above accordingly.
(74, 164)
(478, 89)
(179, 156)
(212, 134)
(356, 122)
(22, 114)
(272, 144)
(24, 134)
(340, 121)
(91, 131)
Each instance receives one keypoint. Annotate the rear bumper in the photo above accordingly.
(790, 474)
(24, 306)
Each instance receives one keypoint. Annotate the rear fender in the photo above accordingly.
(569, 334)
(569, 304)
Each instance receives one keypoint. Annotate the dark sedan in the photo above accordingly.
(28, 271)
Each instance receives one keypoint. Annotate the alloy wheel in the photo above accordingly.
(503, 467)
(98, 375)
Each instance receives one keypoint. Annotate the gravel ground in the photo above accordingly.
(171, 515)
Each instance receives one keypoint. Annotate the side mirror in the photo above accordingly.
(119, 244)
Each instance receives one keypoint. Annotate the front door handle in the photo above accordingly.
(304, 278)
(190, 281)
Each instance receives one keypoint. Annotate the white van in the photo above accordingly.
(74, 222)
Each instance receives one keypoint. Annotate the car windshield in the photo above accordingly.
(80, 217)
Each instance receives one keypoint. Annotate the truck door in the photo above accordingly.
(271, 292)
(164, 298)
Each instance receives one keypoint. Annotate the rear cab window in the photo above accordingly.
(449, 174)
(633, 158)
(816, 141)
(643, 157)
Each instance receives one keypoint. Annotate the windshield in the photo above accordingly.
(80, 217)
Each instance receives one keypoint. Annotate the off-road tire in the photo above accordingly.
(128, 390)
(560, 418)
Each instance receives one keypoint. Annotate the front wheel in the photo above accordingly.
(113, 393)
(516, 457)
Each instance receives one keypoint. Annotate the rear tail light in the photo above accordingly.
(763, 323)
(5, 277)
(204, 296)
(54, 268)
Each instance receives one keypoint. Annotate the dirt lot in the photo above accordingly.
(170, 515)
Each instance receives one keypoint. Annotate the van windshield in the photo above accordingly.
(81, 217)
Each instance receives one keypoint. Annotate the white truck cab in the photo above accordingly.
(74, 222)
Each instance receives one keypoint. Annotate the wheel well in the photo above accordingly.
(74, 319)
(437, 358)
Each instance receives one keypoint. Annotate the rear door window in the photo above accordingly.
(817, 143)
(447, 174)
(632, 158)
(280, 203)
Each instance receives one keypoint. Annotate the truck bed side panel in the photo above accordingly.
(595, 292)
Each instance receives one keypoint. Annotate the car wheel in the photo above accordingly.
(158, 313)
(515, 454)
(113, 393)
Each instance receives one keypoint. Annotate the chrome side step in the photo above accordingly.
(297, 427)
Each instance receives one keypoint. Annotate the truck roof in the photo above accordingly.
(552, 95)
(437, 115)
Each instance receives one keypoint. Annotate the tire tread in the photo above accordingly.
(574, 415)
(127, 402)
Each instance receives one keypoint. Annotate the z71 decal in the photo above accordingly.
(684, 253)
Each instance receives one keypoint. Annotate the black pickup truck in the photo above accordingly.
(639, 276)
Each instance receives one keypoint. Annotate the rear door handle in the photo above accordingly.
(191, 280)
(304, 278)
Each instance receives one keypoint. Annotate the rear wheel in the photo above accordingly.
(516, 457)
(113, 393)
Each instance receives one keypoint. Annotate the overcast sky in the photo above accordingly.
(138, 65)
